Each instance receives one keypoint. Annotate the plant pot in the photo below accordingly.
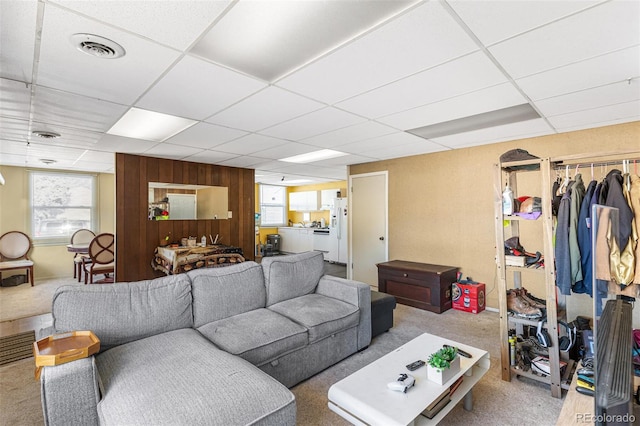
(442, 377)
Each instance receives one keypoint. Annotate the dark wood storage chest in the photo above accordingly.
(417, 284)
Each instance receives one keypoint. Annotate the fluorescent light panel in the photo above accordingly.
(499, 117)
(310, 157)
(149, 125)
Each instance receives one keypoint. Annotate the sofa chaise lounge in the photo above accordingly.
(213, 346)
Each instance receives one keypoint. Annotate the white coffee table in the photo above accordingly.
(364, 399)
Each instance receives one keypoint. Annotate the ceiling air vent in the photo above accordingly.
(47, 161)
(97, 46)
(46, 135)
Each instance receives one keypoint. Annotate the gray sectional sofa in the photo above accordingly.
(217, 346)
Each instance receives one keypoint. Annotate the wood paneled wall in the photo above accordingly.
(137, 237)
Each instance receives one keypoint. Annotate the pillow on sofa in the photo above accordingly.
(123, 312)
(224, 292)
(292, 276)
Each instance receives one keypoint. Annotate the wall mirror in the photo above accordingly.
(172, 201)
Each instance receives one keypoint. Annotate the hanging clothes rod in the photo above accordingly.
(561, 165)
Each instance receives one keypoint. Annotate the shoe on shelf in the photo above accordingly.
(532, 300)
(520, 307)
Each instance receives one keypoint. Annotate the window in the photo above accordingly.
(61, 203)
(273, 206)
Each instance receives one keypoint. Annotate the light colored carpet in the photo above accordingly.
(496, 402)
(25, 301)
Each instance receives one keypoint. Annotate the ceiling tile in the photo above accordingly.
(197, 89)
(312, 124)
(619, 113)
(209, 157)
(287, 150)
(14, 130)
(366, 130)
(413, 148)
(175, 152)
(69, 136)
(393, 140)
(17, 38)
(13, 147)
(113, 143)
(60, 154)
(492, 21)
(610, 94)
(243, 161)
(106, 158)
(345, 160)
(496, 134)
(593, 72)
(205, 136)
(602, 29)
(15, 98)
(250, 36)
(463, 75)
(62, 66)
(250, 144)
(265, 109)
(485, 100)
(19, 160)
(67, 109)
(174, 23)
(419, 39)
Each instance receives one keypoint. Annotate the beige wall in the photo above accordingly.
(51, 261)
(441, 205)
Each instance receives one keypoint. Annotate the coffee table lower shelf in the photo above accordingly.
(363, 398)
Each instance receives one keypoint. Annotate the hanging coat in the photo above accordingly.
(634, 194)
(563, 261)
(584, 241)
(577, 194)
(615, 198)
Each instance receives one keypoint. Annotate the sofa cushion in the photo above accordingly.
(258, 336)
(122, 312)
(321, 315)
(291, 276)
(224, 292)
(180, 378)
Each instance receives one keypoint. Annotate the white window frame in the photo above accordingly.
(282, 206)
(58, 240)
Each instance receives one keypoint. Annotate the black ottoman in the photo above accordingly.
(382, 306)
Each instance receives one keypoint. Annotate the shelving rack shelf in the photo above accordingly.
(504, 172)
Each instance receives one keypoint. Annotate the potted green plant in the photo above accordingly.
(443, 365)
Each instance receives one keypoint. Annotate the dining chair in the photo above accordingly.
(14, 249)
(81, 237)
(102, 259)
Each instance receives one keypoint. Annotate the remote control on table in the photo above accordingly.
(460, 351)
(415, 365)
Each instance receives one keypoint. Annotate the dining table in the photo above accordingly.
(78, 249)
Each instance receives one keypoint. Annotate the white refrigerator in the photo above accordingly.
(338, 231)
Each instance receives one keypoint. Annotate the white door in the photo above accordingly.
(368, 223)
(182, 206)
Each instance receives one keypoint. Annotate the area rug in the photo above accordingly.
(16, 347)
(25, 301)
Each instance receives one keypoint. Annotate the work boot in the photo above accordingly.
(519, 307)
(532, 300)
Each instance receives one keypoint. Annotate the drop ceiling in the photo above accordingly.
(265, 80)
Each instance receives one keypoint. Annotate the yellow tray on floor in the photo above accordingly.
(62, 348)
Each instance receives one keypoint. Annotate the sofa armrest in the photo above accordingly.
(355, 293)
(70, 393)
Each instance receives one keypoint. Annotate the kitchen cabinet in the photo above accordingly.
(303, 201)
(296, 240)
(327, 197)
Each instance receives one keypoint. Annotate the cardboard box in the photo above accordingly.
(468, 297)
